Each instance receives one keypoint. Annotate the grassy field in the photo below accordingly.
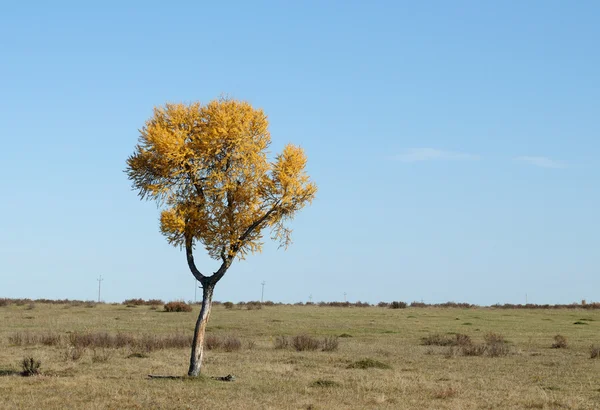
(527, 374)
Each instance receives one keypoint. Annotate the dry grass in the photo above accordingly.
(121, 346)
(560, 342)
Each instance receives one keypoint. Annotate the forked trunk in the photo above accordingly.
(200, 330)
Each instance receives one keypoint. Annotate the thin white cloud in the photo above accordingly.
(543, 162)
(432, 154)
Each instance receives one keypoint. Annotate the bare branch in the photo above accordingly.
(189, 251)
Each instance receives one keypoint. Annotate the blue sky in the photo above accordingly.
(455, 145)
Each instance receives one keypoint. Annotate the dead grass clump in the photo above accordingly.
(463, 340)
(281, 342)
(330, 344)
(495, 345)
(473, 350)
(560, 342)
(178, 306)
(232, 344)
(73, 353)
(305, 342)
(212, 342)
(595, 352)
(369, 364)
(437, 339)
(445, 393)
(22, 339)
(30, 367)
(50, 339)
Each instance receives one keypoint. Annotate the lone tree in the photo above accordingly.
(207, 167)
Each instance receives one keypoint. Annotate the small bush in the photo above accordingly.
(252, 305)
(383, 304)
(437, 339)
(330, 344)
(398, 305)
(560, 342)
(495, 345)
(212, 342)
(232, 344)
(473, 350)
(368, 364)
(594, 352)
(50, 339)
(282, 342)
(30, 367)
(4, 302)
(228, 305)
(463, 340)
(177, 306)
(134, 302)
(155, 302)
(304, 342)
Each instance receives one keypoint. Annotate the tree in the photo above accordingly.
(207, 167)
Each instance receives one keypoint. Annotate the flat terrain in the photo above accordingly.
(529, 374)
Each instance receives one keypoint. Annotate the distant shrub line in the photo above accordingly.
(254, 305)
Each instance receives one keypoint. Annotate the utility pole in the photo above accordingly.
(99, 286)
(344, 297)
(262, 293)
(310, 298)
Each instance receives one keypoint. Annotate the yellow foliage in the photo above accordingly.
(207, 166)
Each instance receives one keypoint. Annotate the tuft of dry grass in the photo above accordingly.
(73, 353)
(330, 344)
(437, 339)
(30, 367)
(595, 352)
(231, 344)
(281, 342)
(560, 342)
(305, 342)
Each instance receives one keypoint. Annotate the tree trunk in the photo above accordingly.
(198, 343)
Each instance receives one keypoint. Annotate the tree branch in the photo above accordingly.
(189, 252)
